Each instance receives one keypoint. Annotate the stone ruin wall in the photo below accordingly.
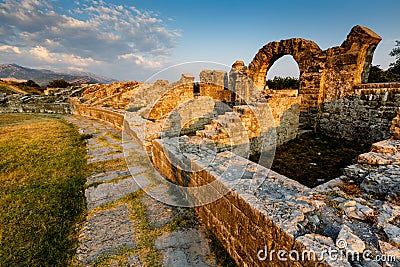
(113, 117)
(269, 211)
(364, 116)
(180, 110)
(49, 108)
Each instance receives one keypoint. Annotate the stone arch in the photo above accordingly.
(324, 74)
(284, 66)
(300, 49)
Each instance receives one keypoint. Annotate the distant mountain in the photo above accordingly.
(43, 76)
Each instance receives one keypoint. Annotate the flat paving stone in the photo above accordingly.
(101, 151)
(107, 176)
(158, 214)
(105, 233)
(107, 192)
(185, 248)
(105, 158)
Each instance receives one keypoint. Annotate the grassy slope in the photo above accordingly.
(42, 176)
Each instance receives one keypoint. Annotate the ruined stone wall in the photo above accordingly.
(51, 108)
(177, 93)
(190, 117)
(214, 83)
(258, 125)
(364, 116)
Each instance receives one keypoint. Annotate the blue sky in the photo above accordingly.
(131, 40)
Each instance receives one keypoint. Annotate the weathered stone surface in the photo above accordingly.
(389, 250)
(385, 182)
(107, 176)
(393, 233)
(351, 241)
(116, 95)
(184, 248)
(318, 243)
(107, 192)
(388, 213)
(365, 116)
(355, 210)
(265, 209)
(104, 233)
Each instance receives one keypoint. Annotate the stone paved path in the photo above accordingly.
(124, 226)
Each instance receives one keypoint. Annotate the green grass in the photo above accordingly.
(42, 176)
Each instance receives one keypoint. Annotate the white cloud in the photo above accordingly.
(91, 35)
(9, 48)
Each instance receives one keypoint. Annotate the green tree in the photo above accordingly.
(58, 84)
(30, 83)
(395, 66)
(392, 74)
(377, 75)
(279, 83)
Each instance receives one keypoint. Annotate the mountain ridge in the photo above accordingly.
(44, 76)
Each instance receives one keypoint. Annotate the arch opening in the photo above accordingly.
(284, 73)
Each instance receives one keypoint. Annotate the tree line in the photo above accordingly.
(392, 74)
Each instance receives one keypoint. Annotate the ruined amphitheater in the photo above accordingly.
(187, 144)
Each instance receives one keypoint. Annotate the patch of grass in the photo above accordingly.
(110, 165)
(313, 159)
(221, 255)
(116, 137)
(42, 176)
(7, 120)
(144, 234)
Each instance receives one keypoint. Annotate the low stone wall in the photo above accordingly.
(112, 117)
(364, 116)
(51, 108)
(243, 220)
(260, 212)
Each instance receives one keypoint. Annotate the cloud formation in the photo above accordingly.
(89, 36)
